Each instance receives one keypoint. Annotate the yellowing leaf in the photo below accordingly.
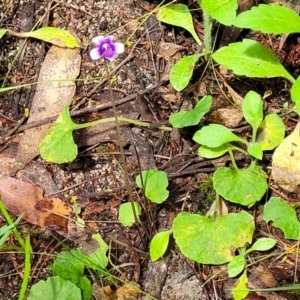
(286, 162)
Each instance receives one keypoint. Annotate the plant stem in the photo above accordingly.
(127, 181)
(10, 221)
(26, 268)
(120, 119)
(233, 160)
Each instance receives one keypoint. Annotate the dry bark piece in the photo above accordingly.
(20, 197)
(61, 65)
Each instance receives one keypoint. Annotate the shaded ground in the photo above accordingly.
(96, 177)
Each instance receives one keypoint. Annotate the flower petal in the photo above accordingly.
(94, 54)
(98, 39)
(119, 48)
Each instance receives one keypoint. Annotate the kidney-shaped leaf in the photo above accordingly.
(212, 240)
(55, 288)
(241, 186)
(254, 60)
(283, 216)
(271, 18)
(193, 117)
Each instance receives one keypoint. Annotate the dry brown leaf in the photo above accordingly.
(229, 117)
(50, 97)
(129, 291)
(286, 162)
(20, 197)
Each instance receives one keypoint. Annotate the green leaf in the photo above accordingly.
(159, 244)
(255, 150)
(154, 184)
(58, 145)
(53, 289)
(240, 289)
(271, 18)
(252, 107)
(295, 94)
(224, 11)
(270, 132)
(126, 214)
(56, 36)
(215, 135)
(193, 117)
(212, 240)
(178, 15)
(181, 73)
(6, 230)
(254, 60)
(236, 265)
(96, 258)
(2, 32)
(209, 152)
(69, 268)
(263, 244)
(241, 186)
(283, 216)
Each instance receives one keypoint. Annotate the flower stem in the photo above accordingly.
(207, 24)
(127, 181)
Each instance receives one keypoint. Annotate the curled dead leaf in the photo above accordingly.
(20, 197)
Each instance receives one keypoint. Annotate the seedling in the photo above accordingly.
(154, 183)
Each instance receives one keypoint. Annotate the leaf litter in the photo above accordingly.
(32, 153)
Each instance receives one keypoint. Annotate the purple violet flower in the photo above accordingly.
(105, 48)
